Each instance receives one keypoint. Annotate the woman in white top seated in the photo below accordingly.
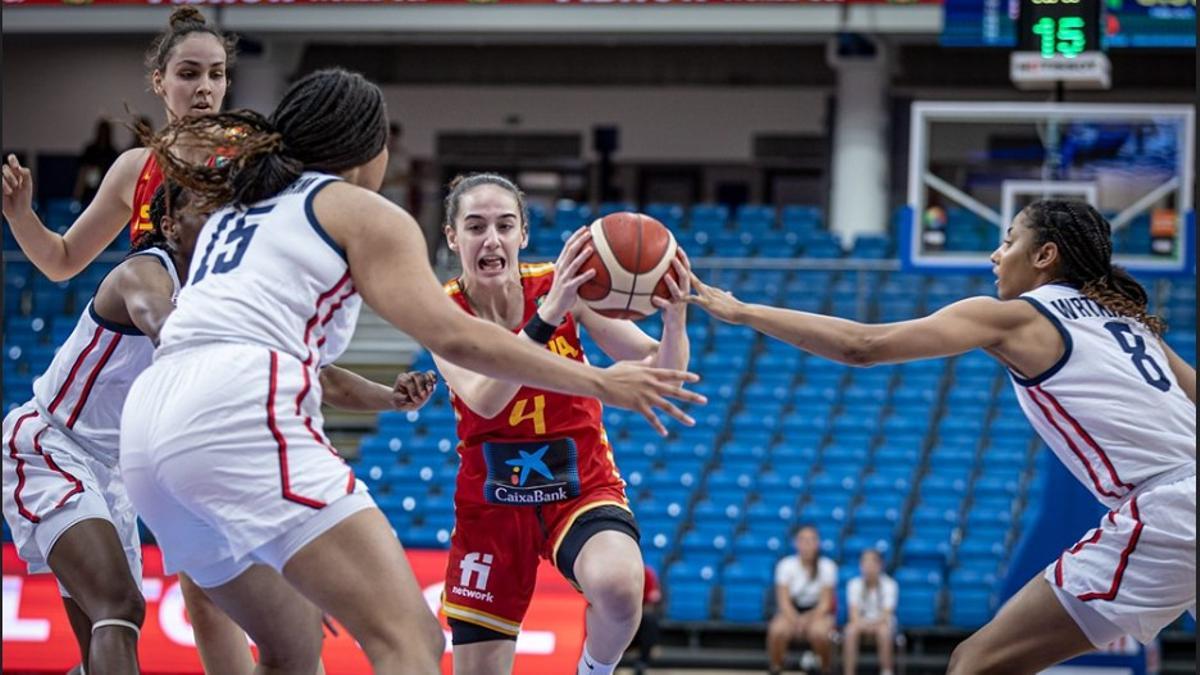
(804, 600)
(871, 597)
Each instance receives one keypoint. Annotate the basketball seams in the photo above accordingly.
(637, 262)
(662, 268)
(625, 261)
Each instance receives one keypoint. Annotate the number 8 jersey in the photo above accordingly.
(1110, 408)
(270, 275)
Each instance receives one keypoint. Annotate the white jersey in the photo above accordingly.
(873, 603)
(804, 589)
(1110, 408)
(269, 275)
(84, 388)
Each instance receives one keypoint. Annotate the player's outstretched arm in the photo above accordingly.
(980, 322)
(63, 256)
(347, 390)
(139, 292)
(386, 252)
(1184, 374)
(485, 396)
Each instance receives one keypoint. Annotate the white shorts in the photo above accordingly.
(223, 455)
(1136, 573)
(50, 484)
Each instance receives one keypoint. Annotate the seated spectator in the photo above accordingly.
(871, 599)
(95, 161)
(804, 599)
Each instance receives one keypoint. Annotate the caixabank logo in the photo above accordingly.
(534, 473)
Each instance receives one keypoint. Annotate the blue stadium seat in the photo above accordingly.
(871, 246)
(920, 551)
(709, 217)
(918, 578)
(569, 216)
(752, 548)
(801, 217)
(822, 245)
(916, 607)
(966, 579)
(605, 208)
(755, 217)
(744, 602)
(688, 601)
(981, 552)
(670, 215)
(969, 608)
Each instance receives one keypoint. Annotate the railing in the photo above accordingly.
(1160, 288)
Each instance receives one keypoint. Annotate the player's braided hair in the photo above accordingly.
(330, 120)
(464, 183)
(184, 21)
(1084, 240)
(168, 199)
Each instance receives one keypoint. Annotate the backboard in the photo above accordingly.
(974, 165)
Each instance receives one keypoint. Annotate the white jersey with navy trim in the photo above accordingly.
(84, 388)
(268, 274)
(1110, 408)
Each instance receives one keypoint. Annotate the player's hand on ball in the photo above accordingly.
(715, 301)
(413, 389)
(564, 292)
(676, 308)
(633, 386)
(18, 189)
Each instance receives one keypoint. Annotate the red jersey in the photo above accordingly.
(143, 193)
(651, 593)
(498, 454)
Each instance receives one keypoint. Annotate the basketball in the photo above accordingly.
(632, 253)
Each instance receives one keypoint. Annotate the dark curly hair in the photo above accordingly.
(168, 200)
(1084, 240)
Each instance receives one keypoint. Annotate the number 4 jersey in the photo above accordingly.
(1110, 408)
(269, 275)
(544, 447)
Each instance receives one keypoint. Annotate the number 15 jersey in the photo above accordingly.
(1110, 408)
(269, 275)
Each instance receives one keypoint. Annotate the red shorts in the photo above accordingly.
(494, 553)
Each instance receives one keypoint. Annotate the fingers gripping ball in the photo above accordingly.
(633, 252)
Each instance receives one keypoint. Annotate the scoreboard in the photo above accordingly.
(1122, 23)
(1059, 27)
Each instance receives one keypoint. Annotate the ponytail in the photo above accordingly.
(1121, 294)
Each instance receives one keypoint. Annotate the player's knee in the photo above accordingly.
(118, 601)
(413, 642)
(294, 656)
(968, 658)
(617, 595)
(435, 637)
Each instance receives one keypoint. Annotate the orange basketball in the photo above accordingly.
(632, 252)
